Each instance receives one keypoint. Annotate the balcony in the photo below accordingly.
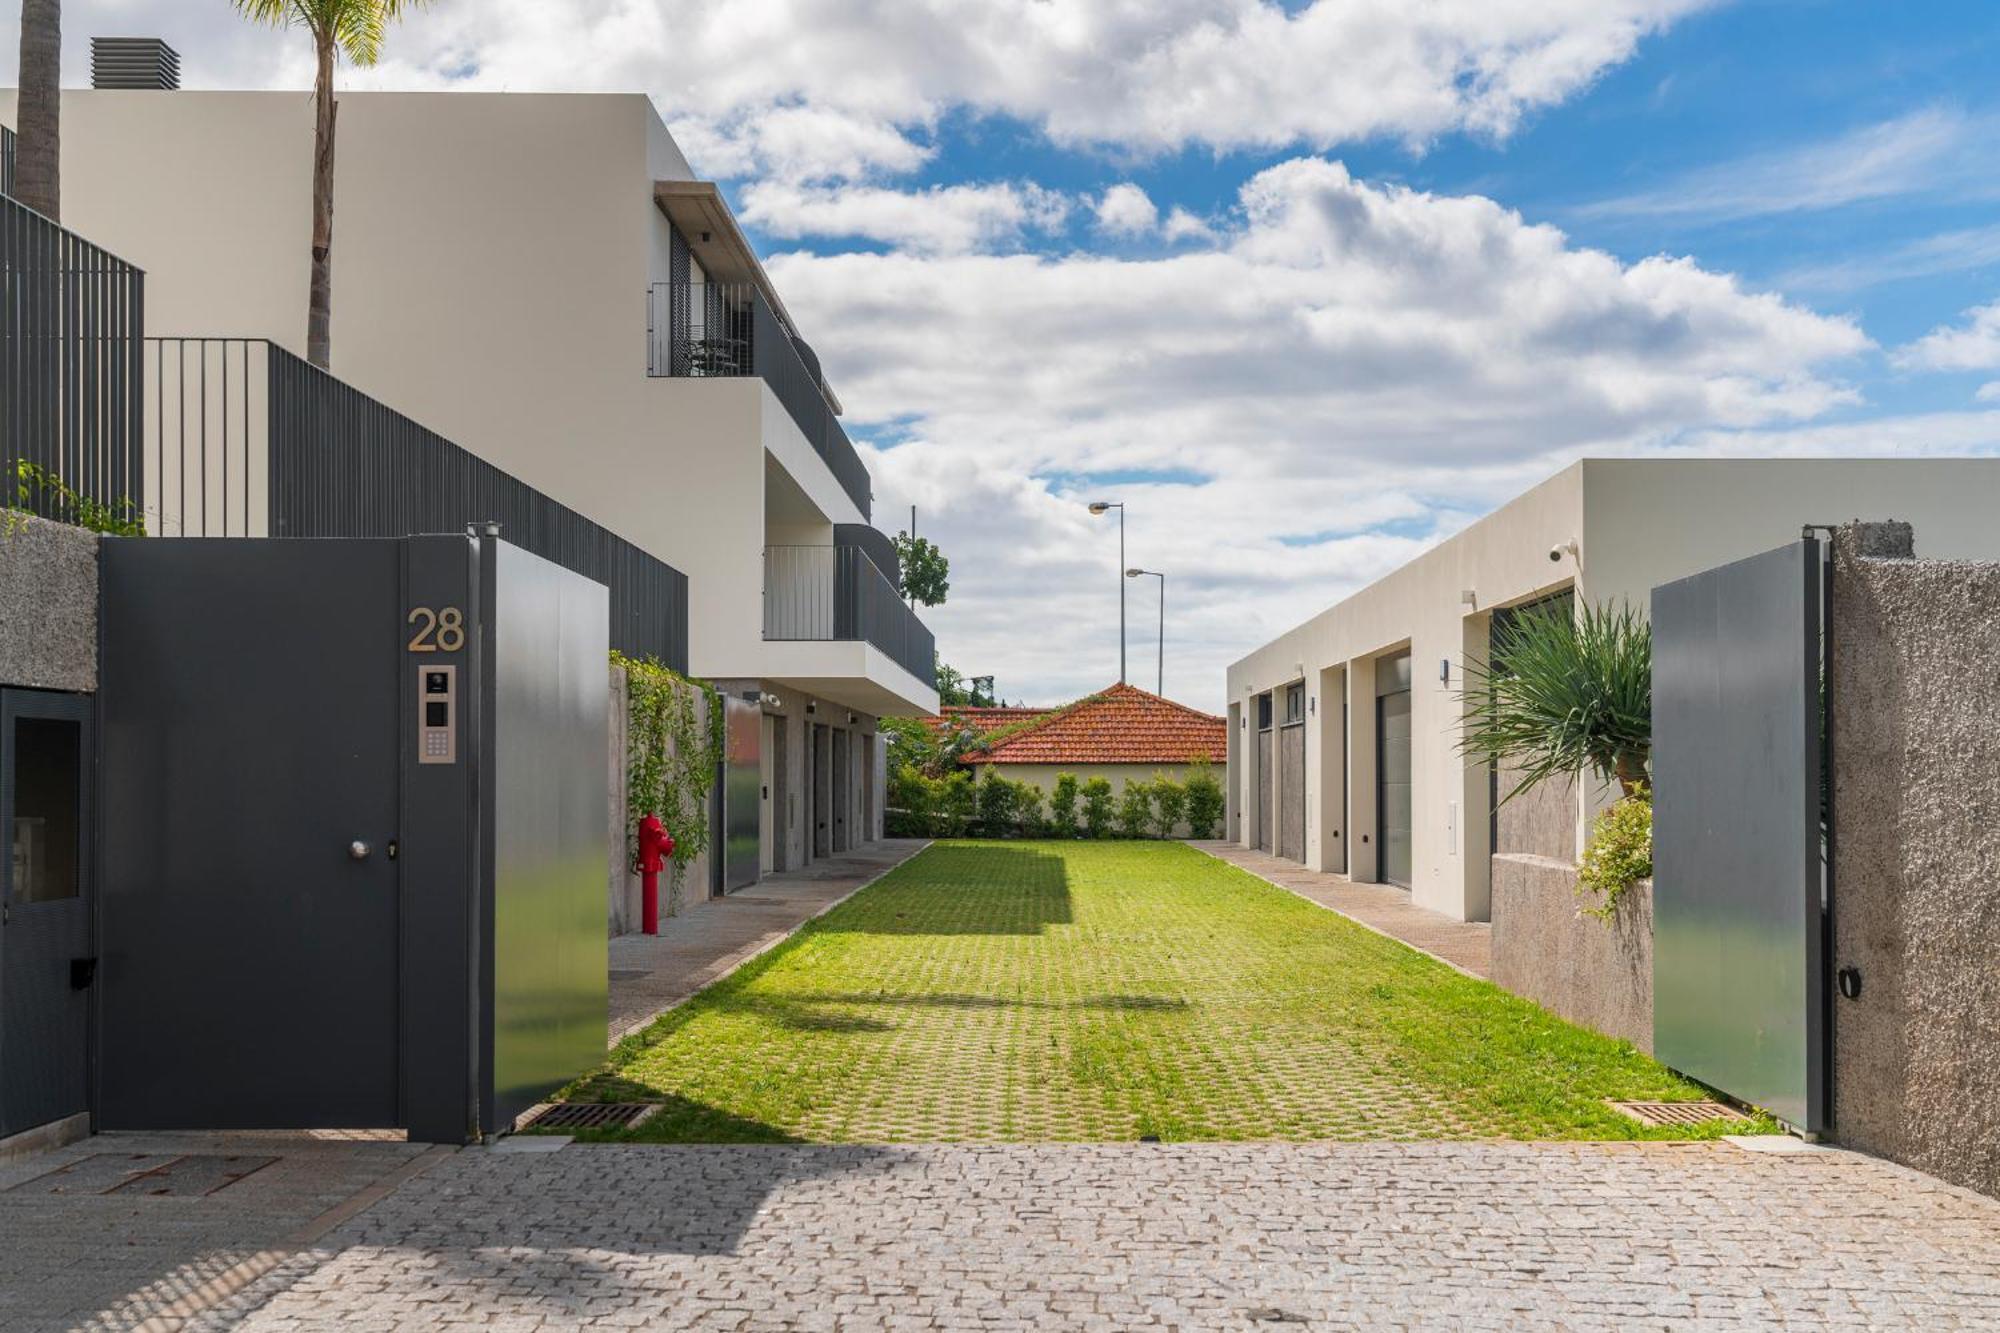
(838, 594)
(697, 330)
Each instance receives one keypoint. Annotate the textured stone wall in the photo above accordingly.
(1595, 972)
(1915, 678)
(1541, 821)
(48, 604)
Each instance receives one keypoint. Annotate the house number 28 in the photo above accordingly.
(437, 631)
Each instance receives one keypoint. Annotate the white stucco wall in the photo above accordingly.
(492, 256)
(1638, 523)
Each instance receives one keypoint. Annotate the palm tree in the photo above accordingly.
(37, 149)
(352, 28)
(1564, 692)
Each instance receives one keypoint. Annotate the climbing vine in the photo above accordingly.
(673, 746)
(38, 490)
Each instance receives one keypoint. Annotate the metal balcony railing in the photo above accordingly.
(697, 330)
(837, 593)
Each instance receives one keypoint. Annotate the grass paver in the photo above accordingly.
(1103, 992)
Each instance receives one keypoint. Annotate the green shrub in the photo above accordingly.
(1204, 801)
(1097, 807)
(1062, 806)
(1620, 852)
(1028, 810)
(998, 799)
(1135, 809)
(957, 804)
(1169, 805)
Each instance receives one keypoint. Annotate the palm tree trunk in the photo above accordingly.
(38, 149)
(1631, 772)
(319, 305)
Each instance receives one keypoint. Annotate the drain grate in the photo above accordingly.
(594, 1115)
(1677, 1113)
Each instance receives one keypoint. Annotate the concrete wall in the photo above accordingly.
(1637, 523)
(1916, 732)
(492, 258)
(1589, 970)
(48, 604)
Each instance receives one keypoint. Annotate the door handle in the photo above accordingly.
(358, 850)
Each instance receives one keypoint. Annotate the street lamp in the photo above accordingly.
(1160, 683)
(1098, 507)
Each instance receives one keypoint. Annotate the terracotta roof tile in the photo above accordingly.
(984, 719)
(1122, 725)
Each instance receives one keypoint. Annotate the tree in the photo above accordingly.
(1204, 801)
(352, 28)
(38, 109)
(1097, 807)
(926, 572)
(1562, 693)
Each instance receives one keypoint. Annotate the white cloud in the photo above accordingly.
(1182, 225)
(1988, 393)
(1945, 252)
(1973, 345)
(1346, 356)
(1925, 151)
(1126, 210)
(941, 220)
(818, 88)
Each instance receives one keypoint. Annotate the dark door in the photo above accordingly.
(840, 791)
(250, 788)
(781, 797)
(1392, 779)
(822, 792)
(45, 907)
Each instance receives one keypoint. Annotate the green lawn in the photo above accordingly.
(1108, 991)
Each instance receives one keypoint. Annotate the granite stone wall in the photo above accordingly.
(1592, 971)
(1915, 679)
(48, 604)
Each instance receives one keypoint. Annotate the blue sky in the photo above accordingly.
(1307, 286)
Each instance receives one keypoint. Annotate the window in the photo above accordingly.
(1295, 703)
(48, 796)
(1263, 712)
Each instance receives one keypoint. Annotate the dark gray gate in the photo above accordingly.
(45, 907)
(251, 696)
(1738, 906)
(1292, 789)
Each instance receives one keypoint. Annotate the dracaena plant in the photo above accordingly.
(1561, 693)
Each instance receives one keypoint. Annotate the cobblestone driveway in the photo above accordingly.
(1207, 1236)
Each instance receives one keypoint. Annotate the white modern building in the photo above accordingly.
(1344, 731)
(540, 279)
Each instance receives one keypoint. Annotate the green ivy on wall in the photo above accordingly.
(672, 749)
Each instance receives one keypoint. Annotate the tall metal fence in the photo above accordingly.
(702, 329)
(248, 440)
(71, 320)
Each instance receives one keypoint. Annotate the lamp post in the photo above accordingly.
(1160, 682)
(1098, 507)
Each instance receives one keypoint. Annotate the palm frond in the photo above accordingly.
(1561, 693)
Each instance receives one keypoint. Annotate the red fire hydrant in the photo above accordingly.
(655, 846)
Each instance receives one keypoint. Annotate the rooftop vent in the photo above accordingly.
(143, 64)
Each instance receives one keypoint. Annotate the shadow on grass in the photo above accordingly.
(989, 889)
(959, 1000)
(679, 1119)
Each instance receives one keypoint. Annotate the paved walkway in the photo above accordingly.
(1465, 945)
(1213, 1236)
(652, 973)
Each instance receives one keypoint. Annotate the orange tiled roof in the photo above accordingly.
(1122, 725)
(984, 719)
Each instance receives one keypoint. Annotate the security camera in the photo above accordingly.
(1561, 549)
(1556, 553)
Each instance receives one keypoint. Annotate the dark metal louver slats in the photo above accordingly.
(345, 465)
(71, 325)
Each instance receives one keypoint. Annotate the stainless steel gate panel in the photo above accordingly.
(742, 782)
(1738, 936)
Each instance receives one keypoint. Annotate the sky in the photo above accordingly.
(1306, 286)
